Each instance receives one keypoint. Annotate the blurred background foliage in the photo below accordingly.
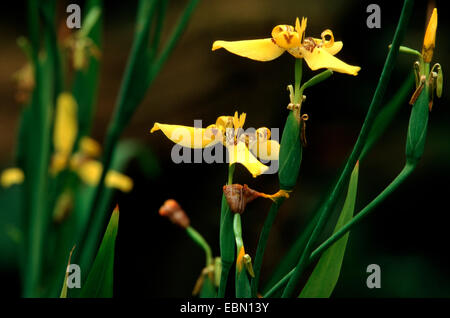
(406, 236)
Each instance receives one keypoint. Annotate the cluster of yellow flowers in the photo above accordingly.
(242, 147)
(84, 162)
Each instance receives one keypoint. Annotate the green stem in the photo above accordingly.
(298, 69)
(198, 238)
(230, 174)
(401, 177)
(262, 243)
(370, 117)
(279, 285)
(174, 38)
(237, 229)
(226, 238)
(298, 80)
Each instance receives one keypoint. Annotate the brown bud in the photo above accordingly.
(238, 196)
(172, 210)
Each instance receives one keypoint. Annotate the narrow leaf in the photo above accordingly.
(322, 281)
(64, 288)
(100, 279)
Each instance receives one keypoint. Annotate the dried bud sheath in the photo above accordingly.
(172, 210)
(238, 196)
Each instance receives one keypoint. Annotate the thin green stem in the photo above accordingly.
(401, 177)
(226, 238)
(230, 174)
(298, 80)
(174, 38)
(237, 228)
(282, 282)
(199, 239)
(263, 238)
(370, 117)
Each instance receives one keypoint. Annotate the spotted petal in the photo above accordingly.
(334, 49)
(320, 58)
(259, 50)
(240, 154)
(266, 149)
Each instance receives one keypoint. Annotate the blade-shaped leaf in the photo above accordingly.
(100, 279)
(64, 288)
(322, 281)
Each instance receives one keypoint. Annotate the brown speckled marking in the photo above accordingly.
(288, 37)
(309, 44)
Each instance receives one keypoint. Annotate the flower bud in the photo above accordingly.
(290, 153)
(172, 210)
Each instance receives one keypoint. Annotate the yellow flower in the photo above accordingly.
(90, 172)
(11, 177)
(228, 131)
(90, 147)
(65, 131)
(318, 53)
(430, 38)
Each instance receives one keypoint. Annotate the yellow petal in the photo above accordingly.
(66, 126)
(90, 147)
(224, 122)
(430, 38)
(119, 181)
(186, 136)
(300, 28)
(240, 259)
(285, 36)
(240, 154)
(90, 172)
(58, 163)
(11, 177)
(266, 149)
(320, 58)
(333, 49)
(259, 50)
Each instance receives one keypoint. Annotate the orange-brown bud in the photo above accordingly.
(238, 196)
(172, 210)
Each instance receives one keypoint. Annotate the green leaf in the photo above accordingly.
(100, 279)
(86, 81)
(243, 289)
(64, 288)
(125, 151)
(227, 245)
(322, 281)
(208, 289)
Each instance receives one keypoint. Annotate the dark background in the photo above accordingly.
(407, 235)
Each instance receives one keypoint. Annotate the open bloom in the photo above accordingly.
(318, 53)
(228, 130)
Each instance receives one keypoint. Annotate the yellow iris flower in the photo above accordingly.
(82, 162)
(318, 53)
(228, 130)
